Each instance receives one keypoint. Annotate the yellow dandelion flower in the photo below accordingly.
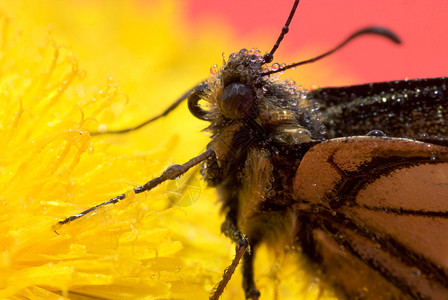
(67, 70)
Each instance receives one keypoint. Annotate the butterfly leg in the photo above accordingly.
(248, 274)
(231, 230)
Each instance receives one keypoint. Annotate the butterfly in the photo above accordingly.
(356, 177)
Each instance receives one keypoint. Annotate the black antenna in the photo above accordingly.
(164, 113)
(268, 57)
(383, 32)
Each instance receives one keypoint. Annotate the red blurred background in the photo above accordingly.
(321, 24)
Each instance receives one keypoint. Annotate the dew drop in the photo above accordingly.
(275, 67)
(322, 129)
(416, 272)
(376, 132)
(82, 74)
(253, 59)
(102, 128)
(306, 119)
(268, 186)
(282, 66)
(214, 70)
(243, 51)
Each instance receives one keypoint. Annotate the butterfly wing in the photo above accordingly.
(409, 108)
(373, 214)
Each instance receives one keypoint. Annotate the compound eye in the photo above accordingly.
(236, 101)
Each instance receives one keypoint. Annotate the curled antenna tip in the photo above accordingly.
(384, 32)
